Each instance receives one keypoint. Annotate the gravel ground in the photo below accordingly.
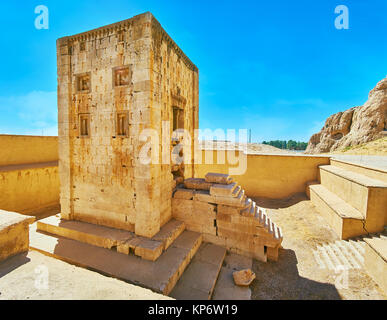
(296, 274)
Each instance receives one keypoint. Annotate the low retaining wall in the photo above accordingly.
(29, 189)
(29, 180)
(27, 149)
(14, 233)
(271, 176)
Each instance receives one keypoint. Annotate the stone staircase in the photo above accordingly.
(173, 256)
(218, 208)
(155, 263)
(347, 254)
(188, 257)
(350, 198)
(375, 259)
(367, 253)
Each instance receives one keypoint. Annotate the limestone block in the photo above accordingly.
(221, 217)
(257, 253)
(243, 228)
(203, 207)
(247, 248)
(203, 196)
(224, 190)
(239, 201)
(169, 233)
(149, 249)
(182, 209)
(214, 239)
(223, 209)
(187, 194)
(14, 233)
(196, 183)
(218, 178)
(272, 253)
(250, 211)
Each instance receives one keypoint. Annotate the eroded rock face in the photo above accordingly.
(354, 126)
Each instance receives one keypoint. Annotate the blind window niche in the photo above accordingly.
(84, 125)
(122, 124)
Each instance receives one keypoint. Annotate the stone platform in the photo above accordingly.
(160, 275)
(14, 233)
(174, 262)
(124, 241)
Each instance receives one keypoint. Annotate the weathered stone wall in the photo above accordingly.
(29, 181)
(29, 189)
(16, 149)
(103, 75)
(174, 85)
(267, 175)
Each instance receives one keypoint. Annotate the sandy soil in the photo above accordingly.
(22, 278)
(296, 275)
(377, 147)
(250, 148)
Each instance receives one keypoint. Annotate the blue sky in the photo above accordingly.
(277, 67)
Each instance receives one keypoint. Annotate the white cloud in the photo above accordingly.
(34, 113)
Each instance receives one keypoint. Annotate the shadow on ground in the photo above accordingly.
(280, 203)
(281, 281)
(13, 263)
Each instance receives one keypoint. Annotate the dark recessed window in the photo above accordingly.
(121, 76)
(83, 82)
(84, 125)
(82, 46)
(122, 124)
(121, 36)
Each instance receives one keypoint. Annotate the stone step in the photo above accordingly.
(347, 254)
(277, 232)
(250, 210)
(344, 219)
(199, 279)
(262, 216)
(355, 177)
(126, 242)
(225, 288)
(358, 245)
(218, 178)
(197, 183)
(367, 170)
(365, 194)
(160, 276)
(224, 190)
(340, 254)
(236, 200)
(375, 260)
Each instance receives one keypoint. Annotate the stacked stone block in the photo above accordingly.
(219, 208)
(114, 82)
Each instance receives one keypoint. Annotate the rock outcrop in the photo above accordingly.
(354, 126)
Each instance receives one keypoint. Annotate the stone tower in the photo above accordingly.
(114, 82)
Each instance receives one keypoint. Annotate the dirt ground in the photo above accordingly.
(34, 276)
(295, 276)
(376, 147)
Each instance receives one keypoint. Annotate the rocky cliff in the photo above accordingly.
(354, 126)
